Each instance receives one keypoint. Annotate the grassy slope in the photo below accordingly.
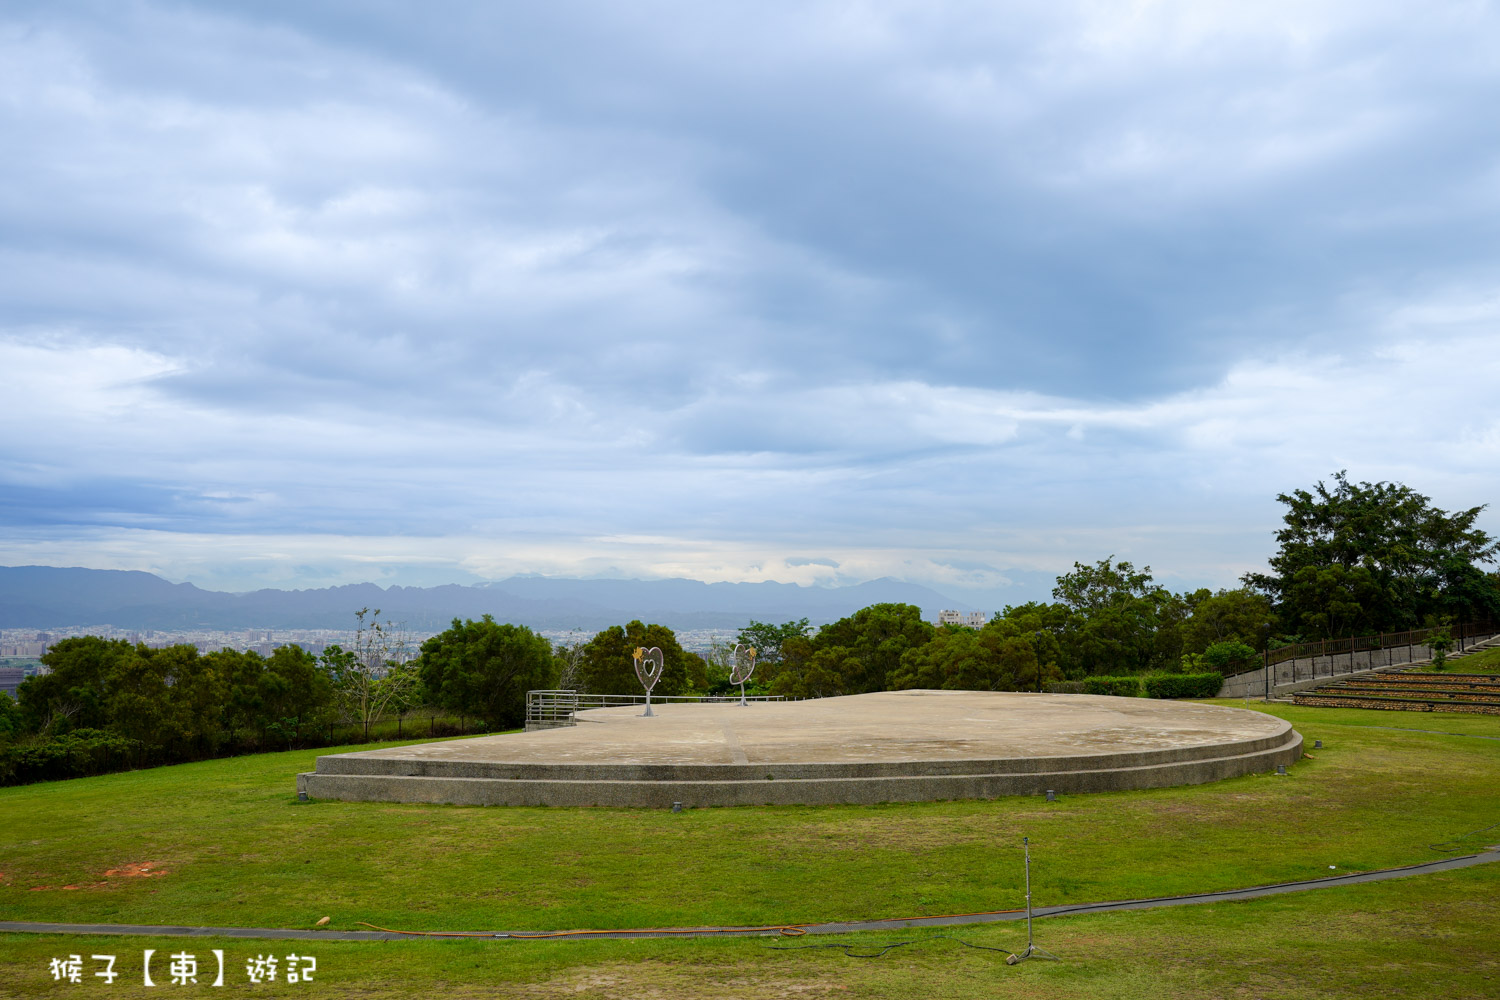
(1431, 936)
(239, 850)
(1485, 662)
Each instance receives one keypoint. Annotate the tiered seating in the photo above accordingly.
(1411, 692)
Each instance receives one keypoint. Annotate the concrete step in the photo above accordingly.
(912, 787)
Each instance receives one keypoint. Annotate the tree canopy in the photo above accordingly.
(1357, 558)
(483, 669)
(608, 666)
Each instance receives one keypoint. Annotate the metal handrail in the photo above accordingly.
(555, 708)
(1461, 633)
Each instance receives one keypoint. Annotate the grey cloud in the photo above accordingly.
(842, 275)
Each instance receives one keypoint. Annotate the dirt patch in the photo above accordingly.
(651, 981)
(144, 869)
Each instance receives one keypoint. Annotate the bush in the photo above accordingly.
(1063, 687)
(1229, 657)
(78, 754)
(1183, 685)
(1120, 687)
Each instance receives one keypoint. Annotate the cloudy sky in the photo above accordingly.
(300, 293)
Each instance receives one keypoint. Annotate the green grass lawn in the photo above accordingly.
(1431, 936)
(1484, 662)
(237, 849)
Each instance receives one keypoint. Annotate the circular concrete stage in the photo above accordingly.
(894, 746)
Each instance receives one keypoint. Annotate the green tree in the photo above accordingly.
(1227, 656)
(12, 720)
(483, 669)
(822, 673)
(137, 701)
(1440, 640)
(875, 639)
(280, 695)
(1113, 613)
(297, 689)
(357, 676)
(194, 722)
(1239, 615)
(609, 668)
(999, 657)
(767, 639)
(73, 693)
(1355, 558)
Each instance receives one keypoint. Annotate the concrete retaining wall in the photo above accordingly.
(1303, 672)
(1098, 773)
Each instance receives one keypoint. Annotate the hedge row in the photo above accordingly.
(79, 754)
(1183, 685)
(1120, 687)
(1153, 686)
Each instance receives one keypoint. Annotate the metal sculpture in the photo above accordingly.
(744, 666)
(648, 666)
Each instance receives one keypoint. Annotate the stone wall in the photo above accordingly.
(1310, 671)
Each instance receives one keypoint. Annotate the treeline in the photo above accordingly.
(1108, 619)
(1352, 559)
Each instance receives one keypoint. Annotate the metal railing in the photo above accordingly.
(1383, 640)
(1388, 642)
(1319, 661)
(551, 709)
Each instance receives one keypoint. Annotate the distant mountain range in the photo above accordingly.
(51, 597)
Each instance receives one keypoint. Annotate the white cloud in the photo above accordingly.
(932, 291)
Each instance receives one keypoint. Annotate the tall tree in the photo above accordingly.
(875, 638)
(358, 675)
(767, 638)
(822, 673)
(1113, 614)
(74, 691)
(483, 669)
(1002, 656)
(608, 666)
(1372, 557)
(1239, 615)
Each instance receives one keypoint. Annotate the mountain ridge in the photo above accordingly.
(52, 597)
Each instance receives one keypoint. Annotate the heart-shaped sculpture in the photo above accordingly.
(648, 667)
(744, 666)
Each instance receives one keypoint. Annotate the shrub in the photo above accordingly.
(1229, 657)
(1440, 640)
(1120, 687)
(1183, 685)
(78, 754)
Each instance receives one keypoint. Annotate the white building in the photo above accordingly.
(974, 619)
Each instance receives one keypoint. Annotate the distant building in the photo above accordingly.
(974, 619)
(10, 680)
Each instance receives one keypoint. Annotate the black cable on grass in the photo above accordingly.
(1445, 848)
(848, 949)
